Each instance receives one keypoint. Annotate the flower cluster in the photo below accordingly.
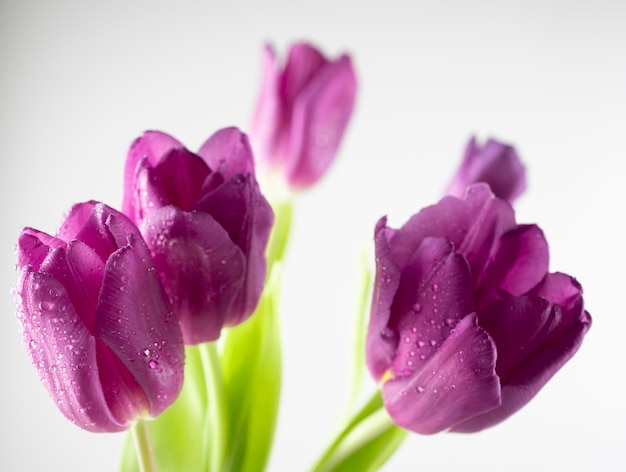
(121, 310)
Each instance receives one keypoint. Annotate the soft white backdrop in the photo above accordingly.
(80, 80)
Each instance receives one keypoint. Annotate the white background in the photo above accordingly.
(80, 80)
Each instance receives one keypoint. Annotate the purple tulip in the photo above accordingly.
(467, 324)
(206, 224)
(96, 320)
(302, 113)
(494, 163)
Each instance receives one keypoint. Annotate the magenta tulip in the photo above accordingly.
(494, 163)
(206, 224)
(302, 113)
(97, 322)
(467, 324)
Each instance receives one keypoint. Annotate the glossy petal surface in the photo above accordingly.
(206, 224)
(202, 269)
(84, 304)
(457, 382)
(466, 323)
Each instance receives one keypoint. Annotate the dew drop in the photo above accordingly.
(153, 364)
(414, 329)
(435, 287)
(419, 389)
(146, 352)
(421, 343)
(417, 308)
(407, 339)
(46, 305)
(433, 342)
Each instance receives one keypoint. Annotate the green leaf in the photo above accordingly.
(360, 331)
(365, 443)
(251, 362)
(283, 213)
(177, 433)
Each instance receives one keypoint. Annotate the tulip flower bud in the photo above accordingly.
(467, 325)
(494, 163)
(302, 113)
(96, 320)
(206, 224)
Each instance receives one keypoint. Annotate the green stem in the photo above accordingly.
(364, 432)
(217, 410)
(367, 428)
(143, 447)
(283, 213)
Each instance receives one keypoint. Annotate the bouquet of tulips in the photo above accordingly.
(162, 317)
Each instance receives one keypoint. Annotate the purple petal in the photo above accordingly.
(201, 268)
(458, 382)
(181, 175)
(266, 121)
(434, 294)
(135, 321)
(64, 353)
(87, 223)
(228, 152)
(520, 262)
(496, 164)
(519, 326)
(33, 246)
(303, 62)
(546, 347)
(473, 225)
(152, 146)
(382, 341)
(240, 208)
(319, 119)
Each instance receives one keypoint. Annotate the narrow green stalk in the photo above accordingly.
(360, 331)
(216, 409)
(364, 432)
(283, 213)
(143, 447)
(366, 441)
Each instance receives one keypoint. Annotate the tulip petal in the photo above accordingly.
(519, 326)
(142, 331)
(319, 119)
(152, 146)
(563, 334)
(33, 247)
(202, 269)
(64, 353)
(266, 120)
(457, 382)
(520, 262)
(496, 164)
(381, 340)
(240, 208)
(228, 152)
(473, 225)
(181, 174)
(434, 294)
(303, 62)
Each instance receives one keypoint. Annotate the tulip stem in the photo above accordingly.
(143, 447)
(217, 411)
(283, 214)
(368, 439)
